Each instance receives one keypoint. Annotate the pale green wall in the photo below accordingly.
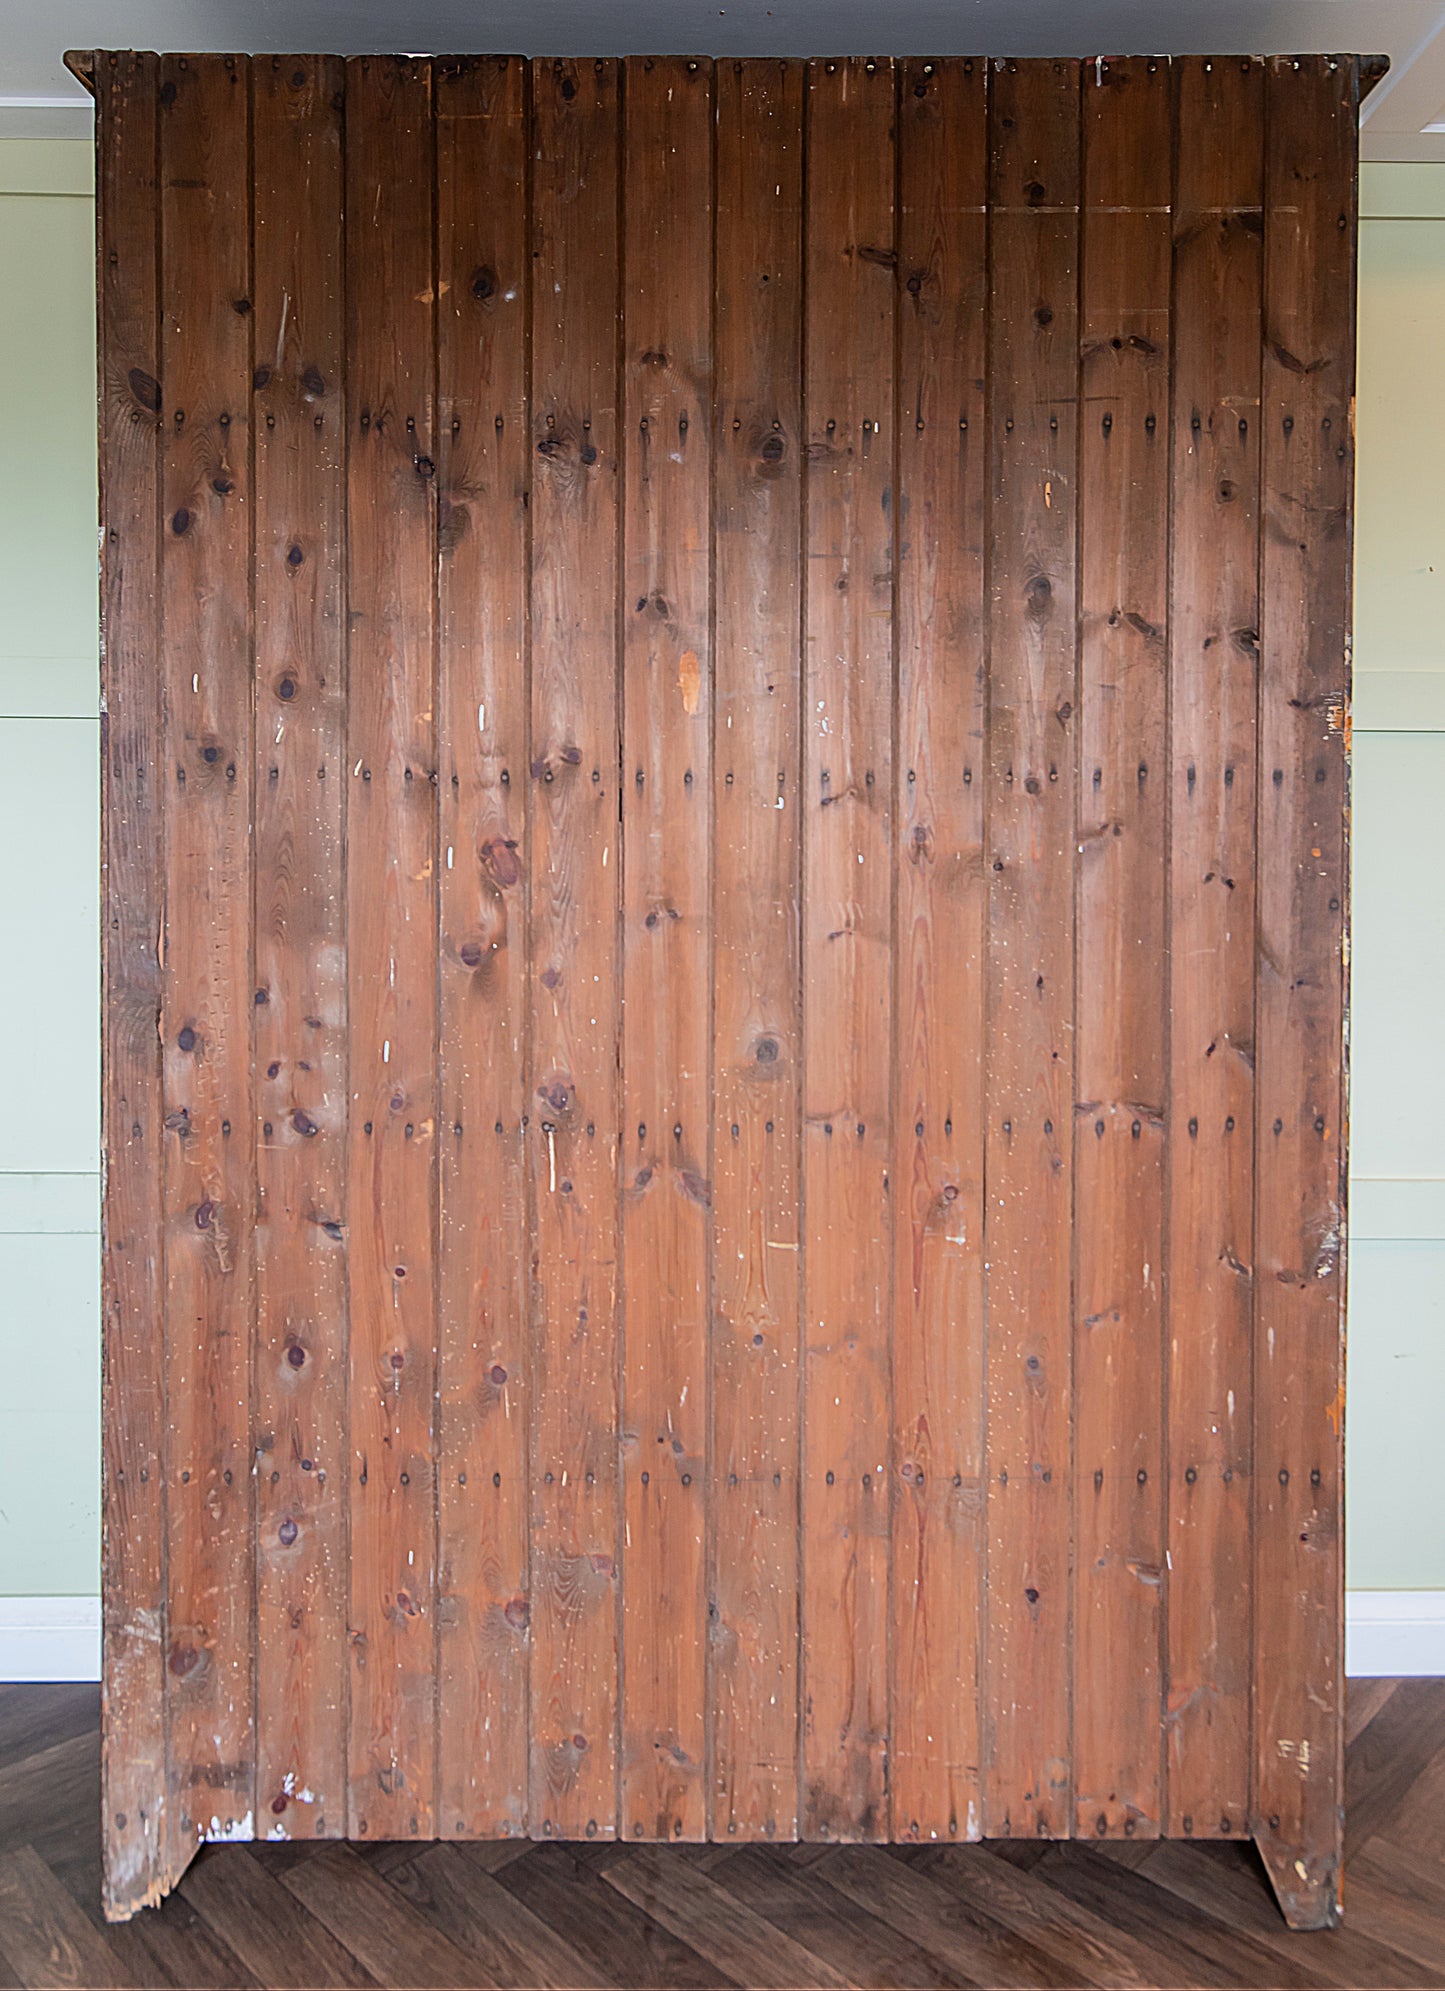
(1396, 1537)
(48, 901)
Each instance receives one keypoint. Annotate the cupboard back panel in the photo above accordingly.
(725, 893)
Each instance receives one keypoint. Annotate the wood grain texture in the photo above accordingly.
(667, 920)
(1032, 750)
(725, 880)
(131, 774)
(1307, 406)
(299, 424)
(754, 1371)
(1213, 657)
(1120, 1024)
(207, 982)
(848, 702)
(391, 944)
(483, 284)
(939, 951)
(576, 957)
(1178, 1913)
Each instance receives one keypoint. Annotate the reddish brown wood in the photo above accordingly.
(133, 1779)
(939, 952)
(1120, 1025)
(847, 913)
(391, 944)
(754, 1376)
(483, 284)
(576, 957)
(736, 1171)
(1213, 657)
(207, 977)
(1307, 406)
(299, 423)
(667, 917)
(1032, 748)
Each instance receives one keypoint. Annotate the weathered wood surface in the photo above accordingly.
(300, 943)
(940, 943)
(139, 1864)
(1030, 781)
(483, 1271)
(1213, 665)
(391, 962)
(1120, 1020)
(576, 961)
(725, 841)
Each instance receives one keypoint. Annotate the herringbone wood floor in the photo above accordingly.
(1133, 1914)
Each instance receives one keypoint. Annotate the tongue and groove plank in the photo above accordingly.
(939, 952)
(576, 956)
(1213, 659)
(1119, 1123)
(1308, 447)
(298, 415)
(1032, 747)
(484, 464)
(206, 1006)
(667, 919)
(753, 1489)
(848, 675)
(133, 1772)
(392, 944)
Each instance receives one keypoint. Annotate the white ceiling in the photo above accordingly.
(37, 95)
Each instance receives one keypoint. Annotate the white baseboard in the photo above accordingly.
(1389, 1633)
(1393, 1633)
(49, 1638)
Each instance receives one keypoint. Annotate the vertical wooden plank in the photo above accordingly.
(391, 942)
(1033, 379)
(1307, 408)
(847, 938)
(1213, 651)
(757, 423)
(942, 901)
(667, 928)
(206, 1003)
(1120, 1025)
(484, 458)
(133, 1763)
(298, 418)
(575, 949)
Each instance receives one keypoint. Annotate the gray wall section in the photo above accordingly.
(49, 741)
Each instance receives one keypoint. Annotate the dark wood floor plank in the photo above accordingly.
(1069, 1936)
(475, 1911)
(697, 1908)
(35, 1717)
(255, 1916)
(1200, 1949)
(1364, 1700)
(800, 1901)
(46, 1793)
(511, 1912)
(378, 1925)
(44, 1936)
(609, 1930)
(1227, 1881)
(1395, 1891)
(1383, 1762)
(173, 1946)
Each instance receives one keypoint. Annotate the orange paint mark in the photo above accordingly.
(689, 678)
(1335, 1411)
